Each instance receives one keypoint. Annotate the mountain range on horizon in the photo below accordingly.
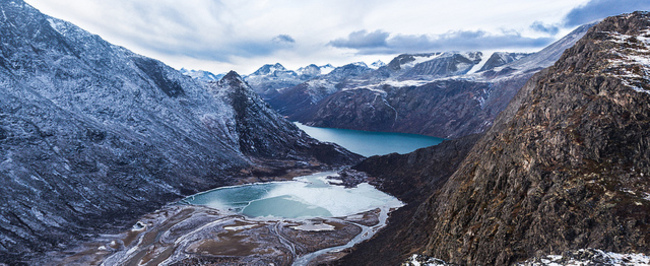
(444, 94)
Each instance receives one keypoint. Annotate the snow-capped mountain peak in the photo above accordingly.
(310, 70)
(377, 64)
(201, 74)
(326, 69)
(269, 69)
(361, 64)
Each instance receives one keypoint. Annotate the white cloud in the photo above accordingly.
(219, 35)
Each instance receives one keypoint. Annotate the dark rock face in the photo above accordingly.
(567, 171)
(92, 136)
(565, 166)
(154, 69)
(412, 178)
(264, 134)
(446, 108)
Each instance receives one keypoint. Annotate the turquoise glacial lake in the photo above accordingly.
(369, 143)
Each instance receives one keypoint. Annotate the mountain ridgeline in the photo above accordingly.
(566, 166)
(92, 136)
(444, 94)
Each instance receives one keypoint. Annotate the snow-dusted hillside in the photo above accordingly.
(93, 135)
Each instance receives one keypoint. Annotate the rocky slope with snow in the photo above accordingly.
(568, 258)
(498, 59)
(305, 102)
(565, 167)
(431, 66)
(92, 135)
(383, 97)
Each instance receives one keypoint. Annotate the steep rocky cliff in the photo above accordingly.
(92, 135)
(264, 135)
(412, 178)
(565, 166)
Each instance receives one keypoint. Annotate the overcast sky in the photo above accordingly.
(242, 35)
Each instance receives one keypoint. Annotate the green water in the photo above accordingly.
(369, 143)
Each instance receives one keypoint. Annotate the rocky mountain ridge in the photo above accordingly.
(565, 166)
(270, 78)
(498, 59)
(304, 94)
(92, 135)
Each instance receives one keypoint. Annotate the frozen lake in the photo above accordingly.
(304, 197)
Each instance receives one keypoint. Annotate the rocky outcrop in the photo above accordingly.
(577, 257)
(564, 167)
(498, 59)
(588, 257)
(434, 65)
(264, 135)
(92, 136)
